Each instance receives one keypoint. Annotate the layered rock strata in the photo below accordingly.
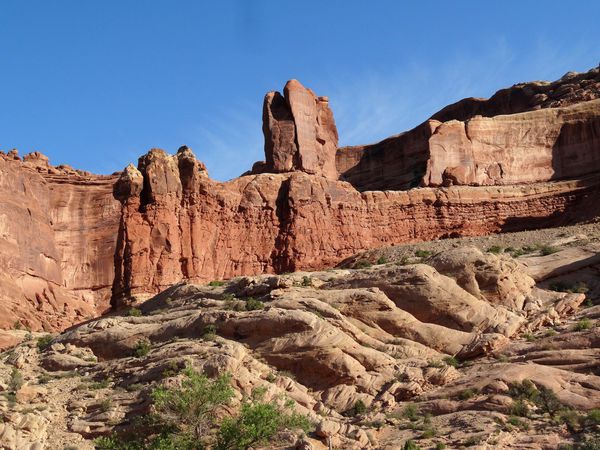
(528, 133)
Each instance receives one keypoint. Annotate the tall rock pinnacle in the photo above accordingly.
(300, 132)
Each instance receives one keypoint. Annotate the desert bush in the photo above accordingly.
(410, 445)
(466, 394)
(252, 304)
(423, 253)
(306, 281)
(209, 333)
(44, 342)
(362, 264)
(382, 260)
(548, 249)
(256, 423)
(16, 380)
(578, 287)
(519, 408)
(496, 249)
(134, 312)
(411, 412)
(583, 324)
(142, 348)
(452, 361)
(216, 283)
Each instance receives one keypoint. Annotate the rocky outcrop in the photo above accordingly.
(514, 137)
(419, 347)
(300, 132)
(58, 231)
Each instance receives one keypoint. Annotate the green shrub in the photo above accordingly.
(519, 408)
(428, 433)
(16, 380)
(452, 361)
(209, 333)
(583, 324)
(466, 394)
(362, 264)
(525, 390)
(440, 446)
(578, 287)
(548, 249)
(593, 417)
(190, 410)
(17, 325)
(252, 304)
(106, 405)
(358, 409)
(382, 260)
(142, 348)
(410, 445)
(423, 253)
(215, 283)
(44, 342)
(256, 424)
(306, 281)
(102, 384)
(134, 312)
(411, 412)
(516, 422)
(529, 337)
(496, 249)
(547, 401)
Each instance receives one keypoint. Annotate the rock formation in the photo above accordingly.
(300, 132)
(432, 352)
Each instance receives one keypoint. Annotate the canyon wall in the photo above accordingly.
(58, 233)
(72, 242)
(269, 223)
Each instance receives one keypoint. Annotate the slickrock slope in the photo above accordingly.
(58, 231)
(530, 132)
(383, 336)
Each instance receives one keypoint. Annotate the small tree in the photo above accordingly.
(256, 424)
(191, 409)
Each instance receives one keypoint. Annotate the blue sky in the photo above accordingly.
(97, 84)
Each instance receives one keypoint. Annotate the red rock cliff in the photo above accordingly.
(58, 231)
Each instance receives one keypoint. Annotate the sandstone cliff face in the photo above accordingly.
(58, 231)
(485, 142)
(285, 222)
